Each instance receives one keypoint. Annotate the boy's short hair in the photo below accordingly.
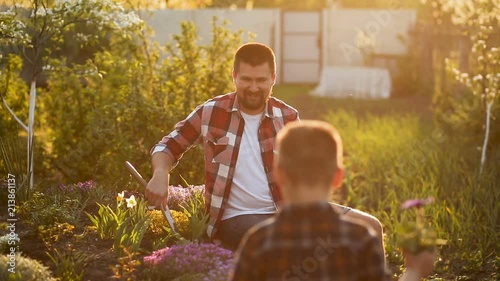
(254, 54)
(309, 152)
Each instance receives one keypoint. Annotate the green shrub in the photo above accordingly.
(64, 203)
(11, 84)
(41, 209)
(130, 100)
(26, 269)
(7, 241)
(69, 263)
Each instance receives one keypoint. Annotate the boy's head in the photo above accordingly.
(309, 154)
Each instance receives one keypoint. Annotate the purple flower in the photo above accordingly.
(416, 203)
(208, 259)
(81, 186)
(85, 186)
(179, 196)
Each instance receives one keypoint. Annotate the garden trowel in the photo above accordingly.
(164, 207)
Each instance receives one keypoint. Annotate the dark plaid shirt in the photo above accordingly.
(310, 242)
(218, 124)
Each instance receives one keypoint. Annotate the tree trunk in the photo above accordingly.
(31, 121)
(489, 105)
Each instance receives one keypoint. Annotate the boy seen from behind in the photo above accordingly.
(307, 239)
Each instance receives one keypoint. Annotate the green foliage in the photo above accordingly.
(51, 234)
(117, 112)
(26, 269)
(390, 159)
(107, 220)
(126, 224)
(13, 162)
(198, 218)
(69, 264)
(62, 204)
(129, 235)
(407, 80)
(28, 31)
(40, 37)
(12, 150)
(463, 108)
(7, 241)
(11, 85)
(48, 210)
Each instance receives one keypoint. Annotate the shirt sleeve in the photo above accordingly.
(372, 261)
(185, 134)
(293, 115)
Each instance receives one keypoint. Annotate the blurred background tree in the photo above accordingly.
(35, 32)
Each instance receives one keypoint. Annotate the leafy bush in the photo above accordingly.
(64, 203)
(7, 241)
(130, 99)
(470, 107)
(11, 84)
(26, 269)
(43, 209)
(182, 223)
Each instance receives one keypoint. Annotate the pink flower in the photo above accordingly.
(416, 203)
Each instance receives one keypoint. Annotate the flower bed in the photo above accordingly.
(190, 261)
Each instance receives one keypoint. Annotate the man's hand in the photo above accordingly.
(157, 188)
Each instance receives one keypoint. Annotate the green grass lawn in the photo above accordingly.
(311, 107)
(394, 152)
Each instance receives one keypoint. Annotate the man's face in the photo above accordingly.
(253, 86)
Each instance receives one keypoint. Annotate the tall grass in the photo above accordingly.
(390, 159)
(13, 161)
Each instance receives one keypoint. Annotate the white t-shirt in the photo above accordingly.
(250, 192)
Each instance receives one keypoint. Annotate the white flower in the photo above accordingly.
(131, 202)
(478, 77)
(120, 196)
(47, 67)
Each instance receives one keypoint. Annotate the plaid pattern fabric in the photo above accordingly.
(309, 242)
(218, 125)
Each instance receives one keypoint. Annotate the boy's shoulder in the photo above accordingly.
(357, 228)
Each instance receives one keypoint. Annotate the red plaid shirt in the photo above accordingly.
(310, 242)
(218, 124)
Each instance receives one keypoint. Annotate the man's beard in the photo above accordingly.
(253, 100)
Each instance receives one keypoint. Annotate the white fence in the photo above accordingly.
(304, 42)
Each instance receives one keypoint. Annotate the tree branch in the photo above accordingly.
(7, 80)
(489, 105)
(14, 115)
